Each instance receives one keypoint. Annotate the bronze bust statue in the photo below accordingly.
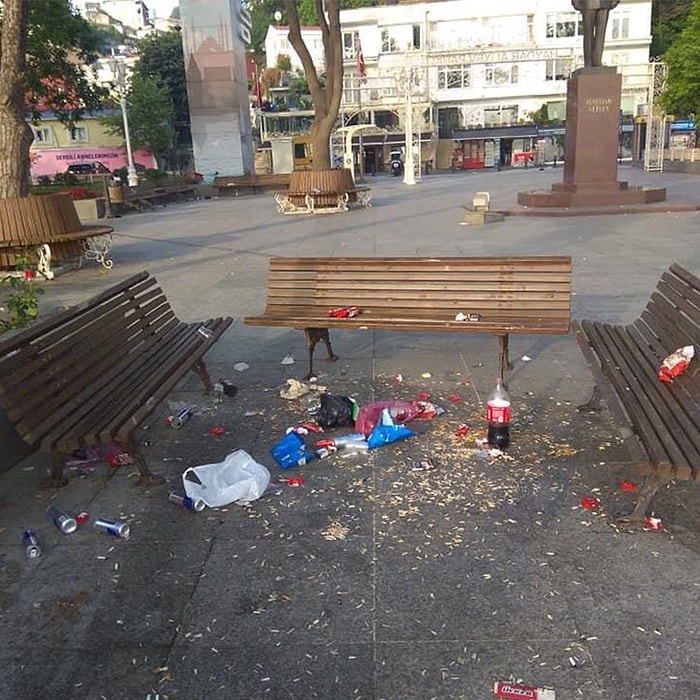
(595, 20)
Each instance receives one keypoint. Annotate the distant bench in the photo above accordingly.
(257, 183)
(47, 226)
(146, 196)
(316, 191)
(91, 374)
(498, 296)
(659, 422)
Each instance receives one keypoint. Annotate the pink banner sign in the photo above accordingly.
(56, 160)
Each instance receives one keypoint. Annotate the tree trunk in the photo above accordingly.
(15, 134)
(326, 98)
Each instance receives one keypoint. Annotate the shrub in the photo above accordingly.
(22, 303)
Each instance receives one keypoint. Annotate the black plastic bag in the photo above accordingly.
(336, 411)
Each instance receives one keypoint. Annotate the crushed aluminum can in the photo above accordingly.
(654, 523)
(462, 430)
(518, 691)
(216, 431)
(324, 452)
(295, 481)
(328, 442)
(180, 419)
(423, 465)
(31, 545)
(344, 312)
(116, 528)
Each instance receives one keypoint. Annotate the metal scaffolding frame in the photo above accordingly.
(656, 119)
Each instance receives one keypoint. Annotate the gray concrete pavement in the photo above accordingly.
(437, 583)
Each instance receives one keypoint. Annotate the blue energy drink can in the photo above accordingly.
(116, 528)
(30, 544)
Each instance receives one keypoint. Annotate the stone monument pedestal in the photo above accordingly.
(591, 146)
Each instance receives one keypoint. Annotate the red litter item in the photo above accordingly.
(423, 396)
(216, 431)
(295, 481)
(676, 363)
(462, 430)
(455, 398)
(327, 442)
(654, 523)
(628, 486)
(518, 691)
(344, 312)
(311, 426)
(589, 503)
(119, 459)
(82, 517)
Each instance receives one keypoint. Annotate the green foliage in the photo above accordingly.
(59, 44)
(284, 63)
(162, 59)
(668, 18)
(22, 303)
(150, 114)
(681, 95)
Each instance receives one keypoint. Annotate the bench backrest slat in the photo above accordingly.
(74, 349)
(530, 287)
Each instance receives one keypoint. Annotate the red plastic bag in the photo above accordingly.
(369, 415)
(676, 363)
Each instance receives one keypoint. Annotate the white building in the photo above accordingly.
(131, 17)
(277, 44)
(480, 72)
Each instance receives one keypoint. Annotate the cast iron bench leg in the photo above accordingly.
(147, 478)
(313, 336)
(200, 369)
(593, 404)
(503, 360)
(652, 482)
(57, 479)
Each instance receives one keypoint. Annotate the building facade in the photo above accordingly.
(486, 84)
(277, 44)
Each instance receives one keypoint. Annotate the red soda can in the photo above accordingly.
(320, 444)
(295, 481)
(462, 430)
(82, 517)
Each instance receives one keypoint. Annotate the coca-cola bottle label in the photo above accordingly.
(498, 413)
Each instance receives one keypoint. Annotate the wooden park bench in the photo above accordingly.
(327, 191)
(147, 196)
(497, 296)
(91, 374)
(256, 183)
(47, 228)
(659, 422)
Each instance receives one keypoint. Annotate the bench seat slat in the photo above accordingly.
(96, 370)
(665, 417)
(614, 366)
(666, 411)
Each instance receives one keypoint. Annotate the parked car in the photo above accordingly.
(92, 168)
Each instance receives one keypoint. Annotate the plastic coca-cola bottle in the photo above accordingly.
(498, 417)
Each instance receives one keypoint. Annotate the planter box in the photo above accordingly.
(90, 209)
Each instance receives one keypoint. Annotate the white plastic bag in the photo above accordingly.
(239, 478)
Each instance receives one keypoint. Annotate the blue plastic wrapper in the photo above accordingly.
(291, 451)
(387, 432)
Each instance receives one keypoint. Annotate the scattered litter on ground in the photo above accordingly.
(241, 366)
(287, 360)
(526, 358)
(294, 390)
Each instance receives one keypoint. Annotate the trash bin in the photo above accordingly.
(115, 192)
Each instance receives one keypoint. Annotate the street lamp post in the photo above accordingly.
(409, 174)
(119, 70)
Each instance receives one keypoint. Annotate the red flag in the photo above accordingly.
(258, 89)
(360, 59)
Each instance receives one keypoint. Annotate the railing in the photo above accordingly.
(682, 154)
